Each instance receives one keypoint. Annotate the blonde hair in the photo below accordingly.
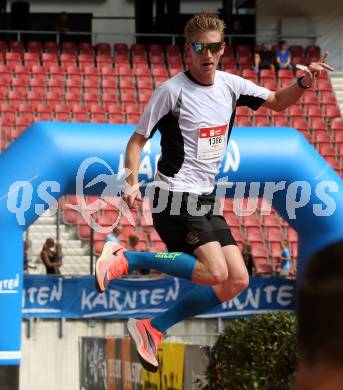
(204, 22)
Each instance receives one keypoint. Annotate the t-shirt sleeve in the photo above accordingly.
(159, 105)
(251, 94)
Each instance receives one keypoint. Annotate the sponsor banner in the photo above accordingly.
(196, 362)
(118, 365)
(170, 374)
(76, 297)
(110, 363)
(136, 369)
(93, 367)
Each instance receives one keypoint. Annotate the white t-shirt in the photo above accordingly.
(195, 123)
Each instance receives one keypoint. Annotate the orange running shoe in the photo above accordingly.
(110, 265)
(147, 340)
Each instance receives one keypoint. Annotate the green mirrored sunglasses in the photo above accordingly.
(199, 47)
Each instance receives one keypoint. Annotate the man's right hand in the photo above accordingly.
(132, 197)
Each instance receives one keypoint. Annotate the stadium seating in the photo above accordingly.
(107, 84)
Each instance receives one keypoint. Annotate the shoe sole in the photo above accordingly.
(106, 251)
(134, 334)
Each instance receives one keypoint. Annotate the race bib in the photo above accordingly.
(211, 142)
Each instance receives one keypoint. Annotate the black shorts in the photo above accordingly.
(183, 232)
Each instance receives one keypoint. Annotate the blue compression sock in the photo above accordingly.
(177, 264)
(197, 301)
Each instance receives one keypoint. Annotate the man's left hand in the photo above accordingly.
(314, 69)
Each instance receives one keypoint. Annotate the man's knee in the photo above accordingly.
(239, 283)
(218, 272)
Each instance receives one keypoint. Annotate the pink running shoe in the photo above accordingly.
(110, 265)
(147, 340)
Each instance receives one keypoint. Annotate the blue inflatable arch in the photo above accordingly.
(53, 152)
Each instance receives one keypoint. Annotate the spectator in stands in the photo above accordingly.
(51, 256)
(248, 258)
(320, 322)
(265, 58)
(283, 56)
(132, 246)
(26, 260)
(63, 26)
(63, 23)
(132, 243)
(114, 235)
(285, 259)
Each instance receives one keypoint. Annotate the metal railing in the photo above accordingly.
(311, 38)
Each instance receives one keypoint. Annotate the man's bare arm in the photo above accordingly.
(285, 97)
(132, 162)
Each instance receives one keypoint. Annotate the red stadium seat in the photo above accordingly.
(285, 74)
(85, 60)
(310, 99)
(80, 113)
(267, 74)
(270, 85)
(34, 47)
(90, 98)
(132, 118)
(159, 72)
(255, 238)
(314, 113)
(50, 47)
(296, 50)
(85, 48)
(144, 97)
(243, 51)
(138, 48)
(172, 49)
(49, 59)
(109, 98)
(128, 97)
(120, 47)
(16, 46)
(327, 150)
(126, 84)
(296, 112)
(62, 112)
(103, 48)
(262, 122)
(103, 60)
(174, 71)
(245, 62)
(122, 61)
(91, 86)
(175, 62)
(98, 113)
(332, 113)
(68, 47)
(322, 139)
(226, 61)
(115, 118)
(244, 122)
(300, 124)
(324, 86)
(12, 58)
(124, 71)
(275, 236)
(144, 84)
(249, 73)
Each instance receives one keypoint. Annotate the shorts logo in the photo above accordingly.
(192, 238)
